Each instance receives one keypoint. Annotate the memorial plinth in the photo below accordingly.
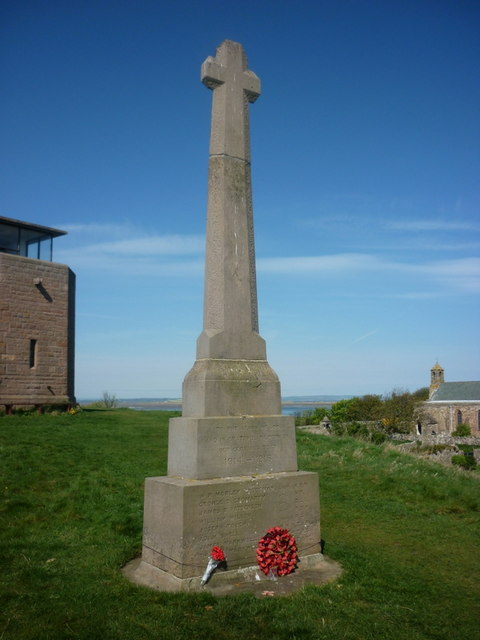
(232, 460)
(233, 512)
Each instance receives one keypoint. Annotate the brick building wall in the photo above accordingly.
(37, 316)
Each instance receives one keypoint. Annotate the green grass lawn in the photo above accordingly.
(406, 532)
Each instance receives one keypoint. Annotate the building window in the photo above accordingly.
(9, 239)
(459, 417)
(33, 353)
(40, 248)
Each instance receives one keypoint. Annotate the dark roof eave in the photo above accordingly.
(33, 227)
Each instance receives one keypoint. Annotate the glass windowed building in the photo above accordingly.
(26, 239)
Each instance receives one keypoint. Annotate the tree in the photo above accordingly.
(399, 411)
(420, 395)
(365, 409)
(109, 400)
(340, 411)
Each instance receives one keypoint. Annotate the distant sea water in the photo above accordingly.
(287, 409)
(295, 409)
(291, 405)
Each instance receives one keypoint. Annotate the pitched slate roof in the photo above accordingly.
(449, 391)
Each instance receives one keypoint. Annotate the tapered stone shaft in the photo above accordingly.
(230, 305)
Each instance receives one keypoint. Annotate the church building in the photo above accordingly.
(449, 405)
(37, 319)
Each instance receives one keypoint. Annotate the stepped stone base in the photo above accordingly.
(315, 569)
(184, 518)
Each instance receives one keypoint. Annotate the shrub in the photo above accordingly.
(303, 418)
(466, 462)
(318, 414)
(378, 437)
(462, 431)
(466, 448)
(310, 416)
(435, 448)
(338, 428)
(358, 430)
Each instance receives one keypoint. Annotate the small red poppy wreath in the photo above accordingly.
(277, 552)
(217, 558)
(217, 554)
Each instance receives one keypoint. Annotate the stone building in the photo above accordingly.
(449, 404)
(37, 318)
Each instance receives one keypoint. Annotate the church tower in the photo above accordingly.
(436, 378)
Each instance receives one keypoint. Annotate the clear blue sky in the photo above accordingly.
(365, 166)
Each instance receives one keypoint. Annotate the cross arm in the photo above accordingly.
(251, 85)
(212, 73)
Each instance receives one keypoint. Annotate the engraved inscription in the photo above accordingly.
(246, 443)
(245, 512)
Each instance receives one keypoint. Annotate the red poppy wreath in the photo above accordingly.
(277, 552)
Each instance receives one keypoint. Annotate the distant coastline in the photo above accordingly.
(172, 403)
(290, 404)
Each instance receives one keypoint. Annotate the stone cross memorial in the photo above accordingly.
(232, 461)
